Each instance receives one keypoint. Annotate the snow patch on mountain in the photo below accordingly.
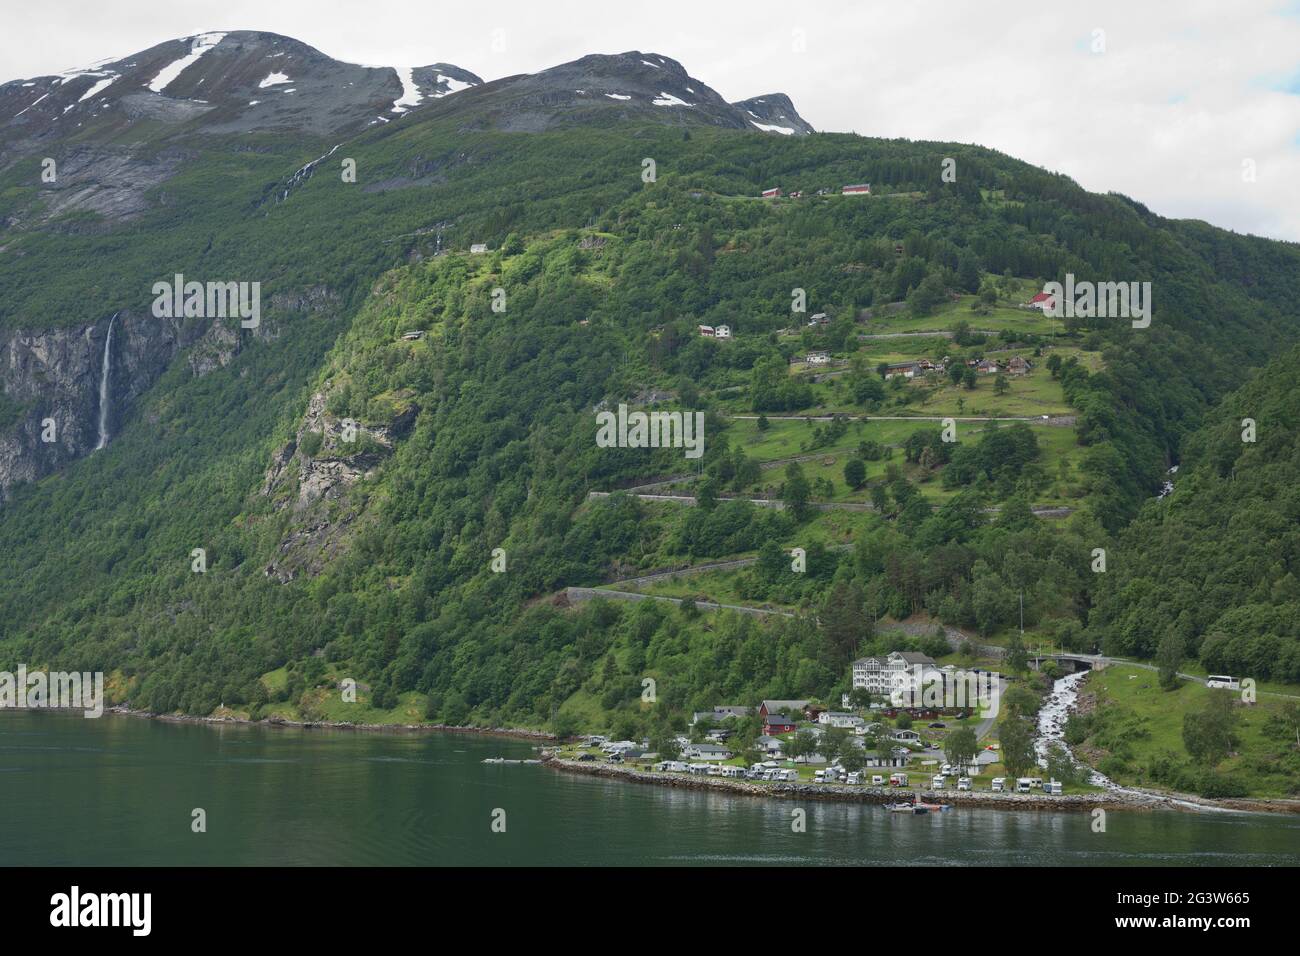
(98, 88)
(667, 99)
(199, 45)
(273, 79)
(411, 95)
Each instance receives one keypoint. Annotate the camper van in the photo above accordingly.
(1223, 682)
(963, 783)
(999, 784)
(1024, 785)
(939, 781)
(898, 780)
(877, 780)
(853, 779)
(1053, 787)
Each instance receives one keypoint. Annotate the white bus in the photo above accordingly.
(1222, 681)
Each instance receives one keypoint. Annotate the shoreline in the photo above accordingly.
(1130, 799)
(958, 799)
(516, 733)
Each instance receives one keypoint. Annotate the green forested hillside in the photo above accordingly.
(605, 279)
(1210, 571)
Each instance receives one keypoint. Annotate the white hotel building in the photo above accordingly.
(900, 671)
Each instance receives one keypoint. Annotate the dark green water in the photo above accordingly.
(120, 790)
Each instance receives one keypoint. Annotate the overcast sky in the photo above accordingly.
(1172, 103)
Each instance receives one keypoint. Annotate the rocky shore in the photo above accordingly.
(877, 795)
(1078, 802)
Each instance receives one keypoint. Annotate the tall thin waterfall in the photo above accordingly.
(103, 385)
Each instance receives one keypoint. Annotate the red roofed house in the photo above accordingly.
(861, 189)
(772, 193)
(775, 724)
(1043, 300)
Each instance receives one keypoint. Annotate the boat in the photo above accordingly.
(936, 807)
(906, 808)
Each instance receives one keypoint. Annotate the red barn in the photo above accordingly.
(773, 193)
(861, 189)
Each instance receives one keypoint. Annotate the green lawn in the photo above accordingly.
(1143, 721)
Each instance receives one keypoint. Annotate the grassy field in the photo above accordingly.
(790, 439)
(1142, 722)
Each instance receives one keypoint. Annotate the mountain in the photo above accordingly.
(774, 113)
(218, 84)
(605, 90)
(268, 511)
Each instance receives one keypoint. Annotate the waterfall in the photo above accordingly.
(103, 385)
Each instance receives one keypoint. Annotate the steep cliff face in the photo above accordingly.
(311, 475)
(51, 412)
(51, 381)
(54, 378)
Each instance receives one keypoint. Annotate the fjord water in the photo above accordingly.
(121, 791)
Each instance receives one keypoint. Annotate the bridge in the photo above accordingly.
(1071, 663)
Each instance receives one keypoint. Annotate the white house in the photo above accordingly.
(818, 358)
(832, 718)
(707, 752)
(722, 332)
(906, 736)
(478, 247)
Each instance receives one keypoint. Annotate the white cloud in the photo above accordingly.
(1181, 96)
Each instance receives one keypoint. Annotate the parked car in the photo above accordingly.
(938, 723)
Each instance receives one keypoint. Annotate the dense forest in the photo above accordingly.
(605, 279)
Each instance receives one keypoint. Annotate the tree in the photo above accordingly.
(803, 743)
(1017, 660)
(1209, 734)
(1169, 657)
(796, 491)
(884, 747)
(1016, 738)
(968, 271)
(706, 498)
(960, 746)
(763, 423)
(1000, 384)
(853, 758)
(834, 743)
(844, 620)
(969, 378)
(927, 295)
(666, 746)
(855, 473)
(1284, 723)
